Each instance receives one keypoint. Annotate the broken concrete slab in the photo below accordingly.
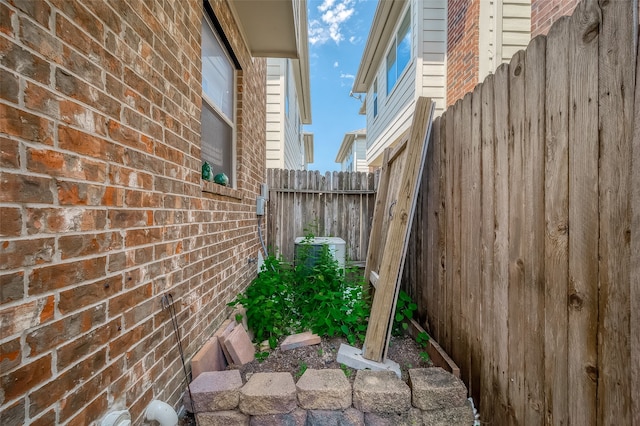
(298, 340)
(209, 358)
(239, 346)
(352, 357)
(227, 327)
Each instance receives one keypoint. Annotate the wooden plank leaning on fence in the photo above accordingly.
(401, 212)
(635, 254)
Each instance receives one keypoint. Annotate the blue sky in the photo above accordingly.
(338, 31)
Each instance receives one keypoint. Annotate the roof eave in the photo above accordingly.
(384, 22)
(308, 147)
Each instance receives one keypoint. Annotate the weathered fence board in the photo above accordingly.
(533, 294)
(334, 204)
(516, 230)
(557, 222)
(616, 79)
(583, 213)
(488, 348)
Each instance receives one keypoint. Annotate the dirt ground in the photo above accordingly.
(403, 350)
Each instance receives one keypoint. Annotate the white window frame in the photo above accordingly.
(375, 98)
(231, 122)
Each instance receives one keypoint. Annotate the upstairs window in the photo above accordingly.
(400, 53)
(218, 104)
(375, 98)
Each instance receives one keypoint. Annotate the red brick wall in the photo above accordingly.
(102, 209)
(545, 12)
(462, 48)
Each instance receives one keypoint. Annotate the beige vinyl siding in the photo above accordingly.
(293, 146)
(505, 28)
(284, 137)
(516, 27)
(394, 110)
(275, 112)
(433, 46)
(360, 156)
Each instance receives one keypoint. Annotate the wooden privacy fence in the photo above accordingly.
(521, 250)
(334, 204)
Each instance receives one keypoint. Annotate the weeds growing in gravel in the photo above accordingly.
(314, 294)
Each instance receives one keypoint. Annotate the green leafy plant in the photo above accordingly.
(261, 356)
(314, 294)
(404, 312)
(346, 370)
(303, 367)
(423, 340)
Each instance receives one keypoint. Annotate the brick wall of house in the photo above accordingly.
(102, 209)
(545, 12)
(463, 17)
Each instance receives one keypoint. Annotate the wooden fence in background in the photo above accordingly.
(521, 250)
(334, 204)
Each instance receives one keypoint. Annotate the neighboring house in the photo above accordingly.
(352, 154)
(288, 109)
(432, 48)
(108, 110)
(403, 59)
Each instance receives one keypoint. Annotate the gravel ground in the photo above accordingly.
(403, 350)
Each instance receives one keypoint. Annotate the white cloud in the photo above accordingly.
(326, 4)
(346, 79)
(334, 14)
(335, 64)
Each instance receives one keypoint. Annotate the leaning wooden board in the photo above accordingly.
(393, 214)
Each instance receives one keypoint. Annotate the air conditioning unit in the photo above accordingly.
(337, 247)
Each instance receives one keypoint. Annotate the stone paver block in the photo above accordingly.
(349, 417)
(209, 358)
(435, 388)
(412, 417)
(380, 392)
(268, 393)
(297, 417)
(298, 340)
(239, 346)
(215, 391)
(462, 416)
(223, 418)
(324, 390)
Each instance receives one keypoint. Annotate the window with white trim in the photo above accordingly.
(375, 98)
(400, 53)
(218, 104)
